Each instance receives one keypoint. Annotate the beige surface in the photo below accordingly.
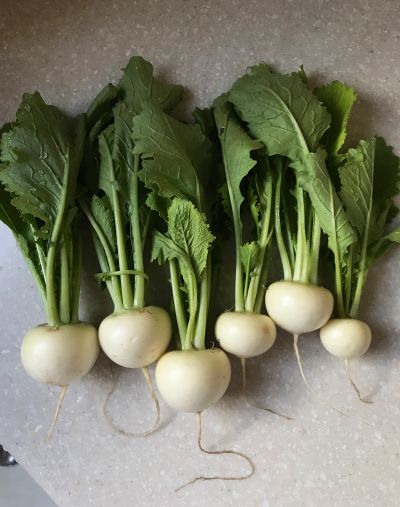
(68, 50)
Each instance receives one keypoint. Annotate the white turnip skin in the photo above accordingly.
(298, 307)
(192, 380)
(346, 338)
(59, 355)
(245, 334)
(136, 338)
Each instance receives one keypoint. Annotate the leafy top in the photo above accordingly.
(138, 85)
(176, 157)
(280, 111)
(40, 159)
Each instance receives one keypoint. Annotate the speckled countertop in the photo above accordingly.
(68, 50)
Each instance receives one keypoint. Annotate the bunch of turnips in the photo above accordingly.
(266, 161)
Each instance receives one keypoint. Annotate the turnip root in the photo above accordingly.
(245, 334)
(192, 380)
(59, 355)
(298, 307)
(347, 339)
(206, 451)
(136, 338)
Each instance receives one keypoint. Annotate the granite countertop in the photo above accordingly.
(69, 50)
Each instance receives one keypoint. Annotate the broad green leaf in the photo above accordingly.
(313, 177)
(369, 180)
(249, 256)
(236, 153)
(189, 230)
(138, 85)
(40, 159)
(338, 99)
(176, 157)
(280, 111)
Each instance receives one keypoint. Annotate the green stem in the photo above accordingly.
(263, 283)
(286, 266)
(264, 240)
(288, 225)
(126, 287)
(64, 309)
(118, 307)
(301, 242)
(138, 301)
(40, 254)
(201, 325)
(256, 277)
(115, 293)
(349, 279)
(359, 287)
(239, 296)
(52, 310)
(338, 283)
(315, 249)
(178, 304)
(76, 275)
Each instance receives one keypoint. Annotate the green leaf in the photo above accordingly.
(98, 116)
(249, 256)
(302, 75)
(176, 157)
(205, 118)
(253, 200)
(264, 184)
(394, 236)
(338, 99)
(102, 213)
(122, 151)
(236, 152)
(165, 249)
(41, 155)
(189, 230)
(369, 179)
(107, 174)
(101, 107)
(280, 111)
(138, 86)
(313, 177)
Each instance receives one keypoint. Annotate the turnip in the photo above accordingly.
(244, 332)
(193, 380)
(369, 176)
(282, 112)
(40, 158)
(177, 158)
(135, 335)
